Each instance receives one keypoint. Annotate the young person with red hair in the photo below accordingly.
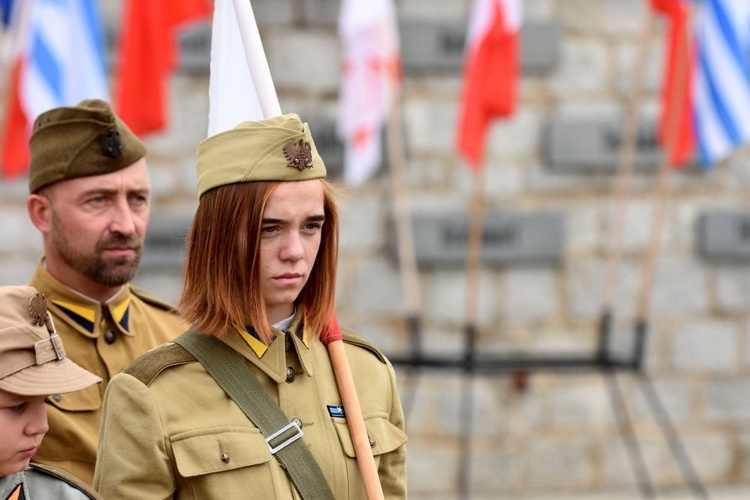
(260, 276)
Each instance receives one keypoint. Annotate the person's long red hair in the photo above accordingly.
(221, 283)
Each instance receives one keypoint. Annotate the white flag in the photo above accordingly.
(370, 71)
(233, 94)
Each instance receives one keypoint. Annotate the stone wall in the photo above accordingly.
(543, 433)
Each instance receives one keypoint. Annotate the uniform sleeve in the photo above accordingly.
(392, 468)
(132, 462)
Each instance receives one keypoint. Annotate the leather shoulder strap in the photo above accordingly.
(241, 384)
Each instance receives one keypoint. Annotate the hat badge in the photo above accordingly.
(38, 309)
(111, 143)
(298, 154)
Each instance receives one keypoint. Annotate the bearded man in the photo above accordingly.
(90, 199)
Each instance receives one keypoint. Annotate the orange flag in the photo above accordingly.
(147, 54)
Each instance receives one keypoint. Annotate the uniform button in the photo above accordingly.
(225, 457)
(56, 398)
(297, 422)
(290, 374)
(109, 337)
(372, 441)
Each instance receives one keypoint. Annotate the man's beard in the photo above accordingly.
(112, 272)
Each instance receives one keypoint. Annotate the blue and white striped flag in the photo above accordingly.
(722, 77)
(65, 56)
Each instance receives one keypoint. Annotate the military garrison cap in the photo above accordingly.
(275, 149)
(80, 141)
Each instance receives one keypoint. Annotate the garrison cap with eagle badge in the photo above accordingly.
(80, 141)
(275, 149)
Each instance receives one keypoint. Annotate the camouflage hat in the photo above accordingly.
(79, 141)
(32, 357)
(276, 149)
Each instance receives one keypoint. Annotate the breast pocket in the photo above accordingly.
(217, 450)
(384, 436)
(223, 462)
(89, 399)
(74, 426)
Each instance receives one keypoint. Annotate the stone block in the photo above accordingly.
(531, 295)
(582, 16)
(582, 69)
(377, 289)
(432, 467)
(679, 287)
(361, 221)
(624, 19)
(582, 404)
(727, 400)
(17, 234)
(444, 300)
(706, 346)
(305, 60)
(559, 463)
(431, 126)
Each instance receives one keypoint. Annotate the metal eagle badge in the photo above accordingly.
(38, 309)
(298, 154)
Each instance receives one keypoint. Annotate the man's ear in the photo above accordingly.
(40, 211)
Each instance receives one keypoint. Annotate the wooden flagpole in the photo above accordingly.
(622, 185)
(402, 218)
(258, 65)
(662, 192)
(473, 264)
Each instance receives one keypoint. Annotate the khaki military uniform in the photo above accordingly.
(169, 431)
(103, 339)
(44, 483)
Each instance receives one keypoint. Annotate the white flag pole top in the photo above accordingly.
(239, 90)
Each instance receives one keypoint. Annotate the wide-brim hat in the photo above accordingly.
(32, 356)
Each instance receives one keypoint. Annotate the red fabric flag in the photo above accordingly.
(14, 150)
(490, 74)
(147, 53)
(676, 12)
(14, 130)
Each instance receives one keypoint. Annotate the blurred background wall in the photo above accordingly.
(534, 434)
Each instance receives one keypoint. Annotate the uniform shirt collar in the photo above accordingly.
(272, 359)
(82, 313)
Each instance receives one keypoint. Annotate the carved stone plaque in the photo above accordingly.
(509, 238)
(430, 46)
(165, 243)
(724, 235)
(593, 144)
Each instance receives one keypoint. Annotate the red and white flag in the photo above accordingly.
(146, 56)
(490, 73)
(371, 69)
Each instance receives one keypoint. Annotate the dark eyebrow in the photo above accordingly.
(313, 218)
(111, 192)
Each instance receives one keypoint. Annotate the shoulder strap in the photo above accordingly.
(241, 384)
